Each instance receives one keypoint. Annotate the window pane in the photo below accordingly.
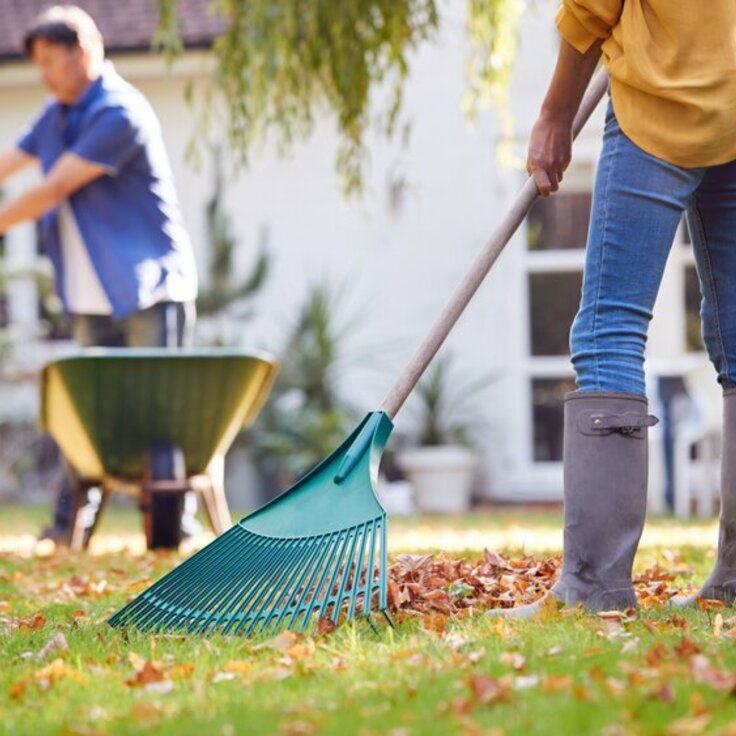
(548, 396)
(553, 303)
(693, 339)
(559, 222)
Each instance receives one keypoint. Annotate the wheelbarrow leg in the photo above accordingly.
(88, 531)
(215, 500)
(85, 512)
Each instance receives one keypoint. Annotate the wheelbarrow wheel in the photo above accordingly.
(164, 528)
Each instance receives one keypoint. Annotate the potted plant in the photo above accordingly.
(440, 460)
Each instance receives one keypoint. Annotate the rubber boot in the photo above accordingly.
(605, 487)
(721, 583)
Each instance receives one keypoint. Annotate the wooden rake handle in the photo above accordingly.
(480, 268)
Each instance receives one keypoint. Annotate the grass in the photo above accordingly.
(659, 673)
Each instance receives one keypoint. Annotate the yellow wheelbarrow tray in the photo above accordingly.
(108, 407)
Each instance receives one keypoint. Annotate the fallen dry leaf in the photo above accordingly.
(18, 689)
(147, 674)
(665, 693)
(686, 648)
(325, 626)
(487, 689)
(57, 644)
(513, 659)
(717, 625)
(180, 671)
(690, 726)
(57, 670)
(703, 672)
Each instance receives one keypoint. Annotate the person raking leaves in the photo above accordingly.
(669, 147)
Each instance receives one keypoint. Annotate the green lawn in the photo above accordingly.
(661, 672)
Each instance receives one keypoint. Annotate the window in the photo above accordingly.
(548, 395)
(553, 303)
(557, 232)
(559, 222)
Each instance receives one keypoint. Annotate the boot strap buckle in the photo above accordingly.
(605, 423)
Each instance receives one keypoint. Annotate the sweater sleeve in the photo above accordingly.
(582, 22)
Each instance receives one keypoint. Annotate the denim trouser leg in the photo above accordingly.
(637, 203)
(711, 218)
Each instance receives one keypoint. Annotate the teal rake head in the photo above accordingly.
(316, 551)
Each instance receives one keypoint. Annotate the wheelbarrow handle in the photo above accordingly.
(481, 266)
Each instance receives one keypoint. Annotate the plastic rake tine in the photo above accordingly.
(272, 564)
(192, 593)
(267, 592)
(285, 586)
(241, 584)
(188, 599)
(291, 608)
(313, 604)
(289, 590)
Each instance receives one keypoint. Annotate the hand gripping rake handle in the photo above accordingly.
(480, 268)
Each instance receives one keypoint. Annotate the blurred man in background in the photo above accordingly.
(110, 218)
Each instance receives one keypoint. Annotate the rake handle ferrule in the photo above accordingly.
(480, 268)
(358, 448)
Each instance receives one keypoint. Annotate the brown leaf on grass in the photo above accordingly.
(697, 705)
(57, 644)
(180, 671)
(325, 626)
(280, 643)
(656, 654)
(136, 660)
(36, 622)
(582, 693)
(665, 693)
(18, 689)
(57, 670)
(686, 648)
(703, 672)
(493, 559)
(239, 667)
(149, 673)
(690, 726)
(301, 649)
(558, 684)
(708, 604)
(615, 687)
(435, 622)
(717, 625)
(514, 659)
(618, 616)
(488, 690)
(677, 621)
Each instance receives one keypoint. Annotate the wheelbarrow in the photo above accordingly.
(155, 423)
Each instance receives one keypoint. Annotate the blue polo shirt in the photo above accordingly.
(129, 219)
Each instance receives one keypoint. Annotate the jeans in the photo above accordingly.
(165, 325)
(638, 201)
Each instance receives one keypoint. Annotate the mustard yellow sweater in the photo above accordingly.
(673, 71)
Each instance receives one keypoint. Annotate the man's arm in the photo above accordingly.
(550, 143)
(69, 174)
(13, 160)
